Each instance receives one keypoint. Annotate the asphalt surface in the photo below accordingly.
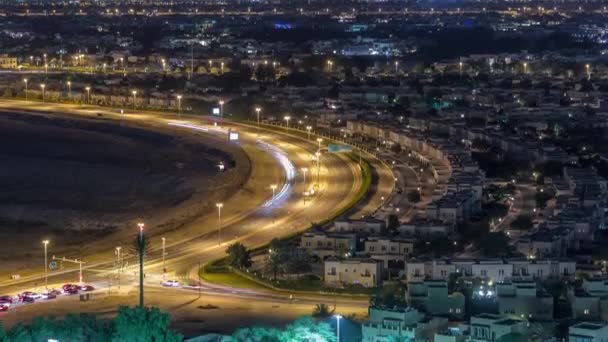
(254, 218)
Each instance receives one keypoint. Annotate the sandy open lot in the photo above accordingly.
(75, 180)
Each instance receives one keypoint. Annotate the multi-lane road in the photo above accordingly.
(252, 216)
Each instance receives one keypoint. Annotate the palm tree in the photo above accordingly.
(322, 310)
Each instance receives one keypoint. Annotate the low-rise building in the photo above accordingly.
(7, 62)
(386, 324)
(366, 272)
(393, 251)
(425, 228)
(495, 270)
(322, 245)
(524, 299)
(590, 301)
(588, 332)
(433, 296)
(491, 327)
(364, 227)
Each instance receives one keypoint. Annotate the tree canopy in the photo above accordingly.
(304, 329)
(130, 324)
(238, 255)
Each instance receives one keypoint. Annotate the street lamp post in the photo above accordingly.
(308, 128)
(25, 81)
(164, 64)
(304, 170)
(179, 105)
(164, 269)
(88, 94)
(134, 92)
(460, 67)
(141, 264)
(119, 264)
(287, 120)
(42, 86)
(222, 67)
(338, 317)
(258, 110)
(318, 154)
(396, 67)
(525, 67)
(588, 68)
(273, 187)
(219, 222)
(69, 89)
(122, 63)
(221, 108)
(319, 140)
(46, 283)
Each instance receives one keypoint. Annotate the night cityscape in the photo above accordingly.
(306, 171)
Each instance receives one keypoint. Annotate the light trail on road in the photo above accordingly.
(290, 174)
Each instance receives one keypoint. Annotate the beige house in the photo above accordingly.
(355, 271)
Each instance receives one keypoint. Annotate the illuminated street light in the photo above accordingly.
(588, 68)
(273, 187)
(338, 317)
(46, 68)
(330, 65)
(222, 67)
(525, 67)
(46, 282)
(134, 92)
(179, 105)
(221, 108)
(318, 154)
(287, 117)
(164, 64)
(308, 128)
(88, 94)
(42, 86)
(304, 170)
(25, 81)
(119, 264)
(396, 67)
(258, 110)
(141, 263)
(164, 269)
(122, 62)
(319, 140)
(219, 222)
(460, 67)
(69, 89)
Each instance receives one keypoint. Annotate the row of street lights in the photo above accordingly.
(88, 89)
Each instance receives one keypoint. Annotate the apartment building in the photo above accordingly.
(434, 297)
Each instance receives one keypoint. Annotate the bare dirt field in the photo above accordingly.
(76, 180)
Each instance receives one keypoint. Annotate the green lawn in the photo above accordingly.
(233, 280)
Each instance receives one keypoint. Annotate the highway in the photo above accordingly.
(253, 217)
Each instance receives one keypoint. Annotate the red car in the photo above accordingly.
(8, 299)
(70, 289)
(4, 306)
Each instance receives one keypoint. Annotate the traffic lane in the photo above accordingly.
(332, 168)
(245, 200)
